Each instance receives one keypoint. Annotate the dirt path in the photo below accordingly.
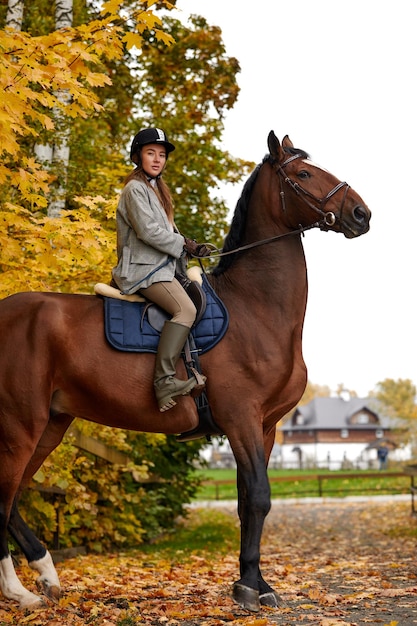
(343, 563)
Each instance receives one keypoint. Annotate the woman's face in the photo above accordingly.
(153, 158)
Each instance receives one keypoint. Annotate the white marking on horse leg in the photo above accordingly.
(48, 581)
(12, 588)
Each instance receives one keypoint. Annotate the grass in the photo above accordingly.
(358, 483)
(203, 531)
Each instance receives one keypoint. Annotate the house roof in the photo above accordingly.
(336, 413)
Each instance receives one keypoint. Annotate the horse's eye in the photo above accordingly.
(303, 174)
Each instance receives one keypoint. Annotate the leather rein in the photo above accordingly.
(328, 218)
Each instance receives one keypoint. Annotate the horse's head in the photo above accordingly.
(310, 194)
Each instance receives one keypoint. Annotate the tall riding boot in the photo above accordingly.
(171, 343)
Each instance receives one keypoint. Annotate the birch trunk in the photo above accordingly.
(14, 15)
(58, 153)
(63, 13)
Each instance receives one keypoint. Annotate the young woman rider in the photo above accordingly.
(148, 247)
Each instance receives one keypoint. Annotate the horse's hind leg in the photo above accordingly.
(12, 588)
(36, 554)
(10, 585)
(38, 557)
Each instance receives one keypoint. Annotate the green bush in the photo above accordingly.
(106, 506)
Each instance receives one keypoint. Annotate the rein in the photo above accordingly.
(262, 242)
(328, 217)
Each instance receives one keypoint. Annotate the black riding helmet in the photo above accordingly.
(146, 136)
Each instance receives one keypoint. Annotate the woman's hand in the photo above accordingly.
(196, 249)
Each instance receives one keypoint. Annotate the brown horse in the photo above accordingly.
(55, 363)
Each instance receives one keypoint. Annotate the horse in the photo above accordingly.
(55, 362)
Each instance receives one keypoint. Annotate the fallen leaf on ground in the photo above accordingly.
(332, 564)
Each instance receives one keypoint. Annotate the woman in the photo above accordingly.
(148, 247)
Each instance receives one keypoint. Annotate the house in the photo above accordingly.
(338, 433)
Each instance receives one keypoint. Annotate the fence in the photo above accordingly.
(321, 484)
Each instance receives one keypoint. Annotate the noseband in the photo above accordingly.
(317, 204)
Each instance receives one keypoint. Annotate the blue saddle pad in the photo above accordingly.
(127, 325)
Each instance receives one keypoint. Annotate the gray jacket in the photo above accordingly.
(147, 245)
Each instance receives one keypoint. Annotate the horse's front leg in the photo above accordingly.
(254, 502)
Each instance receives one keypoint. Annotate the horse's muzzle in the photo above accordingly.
(356, 222)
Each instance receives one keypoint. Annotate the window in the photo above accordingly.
(363, 418)
(344, 433)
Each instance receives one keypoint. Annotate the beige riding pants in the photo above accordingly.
(171, 297)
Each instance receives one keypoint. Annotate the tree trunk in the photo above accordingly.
(14, 16)
(63, 14)
(58, 153)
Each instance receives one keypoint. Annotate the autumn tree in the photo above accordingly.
(399, 399)
(103, 116)
(34, 70)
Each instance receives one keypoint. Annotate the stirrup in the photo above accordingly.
(206, 426)
(200, 383)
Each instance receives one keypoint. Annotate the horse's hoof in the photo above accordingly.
(53, 592)
(246, 597)
(271, 598)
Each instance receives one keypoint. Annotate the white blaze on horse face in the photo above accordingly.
(319, 167)
(48, 579)
(12, 588)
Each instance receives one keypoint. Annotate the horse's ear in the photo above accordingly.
(275, 149)
(287, 143)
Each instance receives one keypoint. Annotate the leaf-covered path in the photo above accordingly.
(344, 563)
(333, 564)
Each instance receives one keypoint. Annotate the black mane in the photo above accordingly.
(234, 237)
(237, 228)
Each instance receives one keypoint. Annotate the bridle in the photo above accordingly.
(328, 218)
(318, 204)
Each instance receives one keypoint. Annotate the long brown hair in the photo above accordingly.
(161, 189)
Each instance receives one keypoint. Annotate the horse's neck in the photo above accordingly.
(273, 273)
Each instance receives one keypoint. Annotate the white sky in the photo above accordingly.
(339, 77)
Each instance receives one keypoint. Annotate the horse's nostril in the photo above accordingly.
(360, 214)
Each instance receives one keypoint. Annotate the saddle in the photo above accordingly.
(133, 324)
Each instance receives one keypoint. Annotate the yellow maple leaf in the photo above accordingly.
(166, 38)
(133, 40)
(111, 6)
(97, 79)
